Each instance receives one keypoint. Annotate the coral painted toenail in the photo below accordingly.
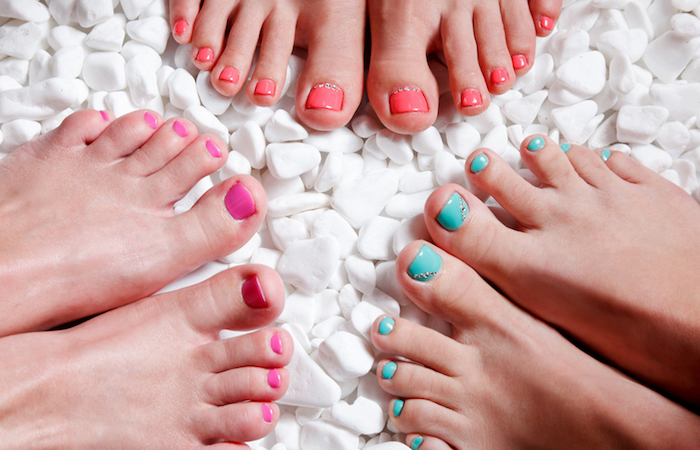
(417, 442)
(470, 97)
(205, 55)
(389, 370)
(229, 74)
(180, 27)
(606, 154)
(325, 96)
(479, 163)
(274, 379)
(267, 413)
(180, 128)
(213, 149)
(536, 144)
(407, 100)
(546, 23)
(454, 213)
(519, 61)
(398, 407)
(276, 343)
(104, 115)
(499, 76)
(565, 147)
(151, 120)
(386, 326)
(252, 293)
(266, 87)
(426, 265)
(239, 202)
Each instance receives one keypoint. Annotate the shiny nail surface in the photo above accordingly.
(386, 326)
(606, 154)
(417, 442)
(180, 27)
(407, 100)
(180, 128)
(239, 202)
(265, 87)
(205, 55)
(104, 115)
(274, 379)
(398, 407)
(499, 76)
(252, 293)
(213, 149)
(546, 23)
(276, 343)
(454, 213)
(229, 74)
(479, 163)
(325, 96)
(565, 147)
(426, 264)
(471, 97)
(389, 370)
(536, 144)
(267, 413)
(151, 120)
(519, 61)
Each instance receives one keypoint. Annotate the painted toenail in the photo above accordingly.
(180, 129)
(454, 213)
(546, 23)
(276, 343)
(252, 293)
(151, 120)
(205, 55)
(104, 115)
(325, 96)
(389, 370)
(274, 379)
(426, 264)
(605, 155)
(386, 326)
(180, 27)
(229, 74)
(536, 144)
(417, 442)
(565, 147)
(471, 97)
(499, 76)
(479, 163)
(265, 87)
(213, 149)
(239, 202)
(398, 407)
(519, 61)
(407, 99)
(267, 413)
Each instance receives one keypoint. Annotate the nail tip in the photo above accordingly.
(325, 96)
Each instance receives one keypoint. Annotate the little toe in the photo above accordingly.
(419, 441)
(545, 13)
(406, 380)
(590, 165)
(124, 135)
(494, 57)
(548, 161)
(183, 14)
(628, 169)
(267, 348)
(520, 35)
(238, 422)
(419, 416)
(77, 130)
(246, 384)
(209, 32)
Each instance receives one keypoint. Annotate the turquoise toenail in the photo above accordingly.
(454, 213)
(398, 407)
(386, 326)
(426, 265)
(536, 144)
(605, 155)
(479, 163)
(566, 147)
(416, 443)
(389, 370)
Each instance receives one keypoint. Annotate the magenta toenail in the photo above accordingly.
(151, 120)
(239, 202)
(213, 149)
(180, 128)
(252, 293)
(267, 413)
(276, 343)
(104, 115)
(274, 379)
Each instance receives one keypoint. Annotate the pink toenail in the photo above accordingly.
(407, 99)
(104, 115)
(267, 413)
(471, 97)
(499, 76)
(180, 27)
(252, 293)
(151, 120)
(229, 74)
(239, 202)
(213, 149)
(325, 96)
(546, 23)
(274, 379)
(276, 343)
(180, 128)
(205, 55)
(265, 87)
(519, 61)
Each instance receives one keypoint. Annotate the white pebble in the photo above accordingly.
(640, 124)
(632, 43)
(346, 356)
(22, 42)
(328, 326)
(538, 76)
(330, 223)
(249, 141)
(364, 416)
(449, 170)
(183, 90)
(685, 5)
(462, 139)
(109, 35)
(681, 100)
(340, 140)
(410, 230)
(132, 8)
(638, 18)
(210, 97)
(142, 82)
(153, 31)
(309, 264)
(581, 15)
(288, 160)
(686, 25)
(393, 445)
(584, 74)
(287, 433)
(206, 122)
(363, 316)
(365, 126)
(360, 200)
(605, 134)
(652, 157)
(524, 111)
(566, 44)
(39, 101)
(325, 435)
(383, 301)
(284, 231)
(67, 62)
(416, 182)
(396, 146)
(674, 138)
(283, 128)
(668, 55)
(427, 142)
(286, 205)
(18, 132)
(404, 205)
(622, 77)
(488, 119)
(65, 36)
(331, 174)
(27, 10)
(91, 12)
(105, 71)
(572, 120)
(361, 273)
(376, 238)
(299, 310)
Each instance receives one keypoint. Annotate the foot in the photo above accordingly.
(152, 374)
(602, 248)
(486, 45)
(88, 222)
(329, 89)
(505, 379)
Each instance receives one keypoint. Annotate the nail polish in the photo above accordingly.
(252, 293)
(389, 370)
(266, 87)
(229, 74)
(605, 155)
(454, 213)
(519, 61)
(407, 99)
(239, 202)
(398, 407)
(417, 442)
(213, 149)
(565, 147)
(479, 163)
(274, 379)
(325, 96)
(267, 413)
(180, 129)
(386, 326)
(499, 76)
(180, 27)
(104, 115)
(151, 120)
(470, 97)
(205, 55)
(276, 343)
(536, 144)
(546, 23)
(426, 264)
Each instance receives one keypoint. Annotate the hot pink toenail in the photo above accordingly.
(213, 149)
(406, 100)
(276, 343)
(104, 115)
(229, 74)
(267, 413)
(499, 76)
(205, 54)
(519, 61)
(180, 128)
(151, 120)
(239, 202)
(325, 96)
(274, 379)
(546, 23)
(265, 87)
(180, 27)
(252, 293)
(471, 97)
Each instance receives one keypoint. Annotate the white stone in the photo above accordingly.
(376, 238)
(18, 132)
(462, 138)
(283, 128)
(632, 43)
(652, 157)
(330, 223)
(365, 126)
(65, 36)
(686, 25)
(581, 15)
(132, 8)
(403, 205)
(638, 18)
(416, 182)
(331, 174)
(566, 44)
(210, 97)
(572, 120)
(346, 356)
(206, 122)
(386, 282)
(27, 10)
(524, 111)
(288, 160)
(183, 90)
(364, 416)
(605, 134)
(142, 82)
(92, 12)
(640, 124)
(284, 231)
(39, 101)
(340, 140)
(560, 95)
(622, 77)
(309, 264)
(584, 74)
(369, 388)
(363, 316)
(538, 76)
(105, 71)
(67, 62)
(41, 68)
(299, 310)
(360, 200)
(449, 170)
(674, 138)
(427, 142)
(396, 146)
(108, 36)
(685, 5)
(496, 139)
(286, 205)
(609, 20)
(605, 4)
(668, 55)
(153, 31)
(361, 273)
(681, 100)
(325, 435)
(287, 433)
(410, 230)
(249, 140)
(383, 301)
(392, 445)
(194, 194)
(488, 119)
(327, 327)
(22, 42)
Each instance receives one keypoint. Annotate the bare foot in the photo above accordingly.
(225, 34)
(152, 374)
(506, 379)
(603, 248)
(87, 216)
(486, 45)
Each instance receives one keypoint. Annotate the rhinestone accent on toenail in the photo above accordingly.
(407, 99)
(426, 264)
(454, 213)
(325, 96)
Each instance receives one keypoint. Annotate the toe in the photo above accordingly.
(209, 32)
(418, 416)
(238, 422)
(545, 14)
(246, 384)
(182, 16)
(628, 169)
(76, 131)
(494, 56)
(406, 380)
(547, 161)
(124, 135)
(267, 348)
(520, 35)
(419, 441)
(590, 165)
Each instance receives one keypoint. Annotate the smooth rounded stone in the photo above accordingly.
(23, 42)
(206, 122)
(266, 257)
(462, 138)
(325, 435)
(162, 76)
(605, 134)
(348, 299)
(506, 97)
(609, 19)
(538, 76)
(584, 74)
(581, 15)
(327, 305)
(652, 157)
(287, 433)
(27, 10)
(681, 100)
(427, 142)
(309, 177)
(341, 140)
(331, 174)
(638, 18)
(607, 99)
(560, 95)
(360, 200)
(416, 182)
(383, 301)
(133, 8)
(346, 356)
(327, 327)
(194, 194)
(365, 126)
(289, 204)
(41, 68)
(119, 103)
(283, 128)
(18, 132)
(183, 59)
(668, 55)
(361, 273)
(566, 44)
(108, 36)
(369, 388)
(363, 316)
(211, 99)
(411, 229)
(403, 205)
(244, 253)
(150, 57)
(607, 4)
(299, 310)
(330, 223)
(105, 71)
(396, 146)
(686, 25)
(249, 140)
(524, 111)
(687, 175)
(364, 416)
(640, 124)
(691, 72)
(91, 12)
(622, 76)
(39, 101)
(309, 264)
(632, 43)
(449, 170)
(572, 120)
(288, 160)
(685, 5)
(285, 231)
(387, 282)
(488, 119)
(65, 36)
(67, 62)
(674, 138)
(183, 90)
(660, 13)
(53, 122)
(142, 82)
(496, 139)
(376, 237)
(153, 31)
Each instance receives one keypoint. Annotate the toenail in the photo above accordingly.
(605, 155)
(104, 115)
(426, 264)
(389, 370)
(407, 100)
(479, 163)
(546, 23)
(454, 213)
(252, 293)
(151, 120)
(519, 61)
(267, 413)
(205, 55)
(398, 407)
(470, 97)
(239, 202)
(386, 326)
(180, 27)
(213, 149)
(276, 343)
(417, 442)
(565, 147)
(265, 87)
(325, 96)
(499, 76)
(273, 379)
(229, 74)
(180, 128)
(536, 144)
